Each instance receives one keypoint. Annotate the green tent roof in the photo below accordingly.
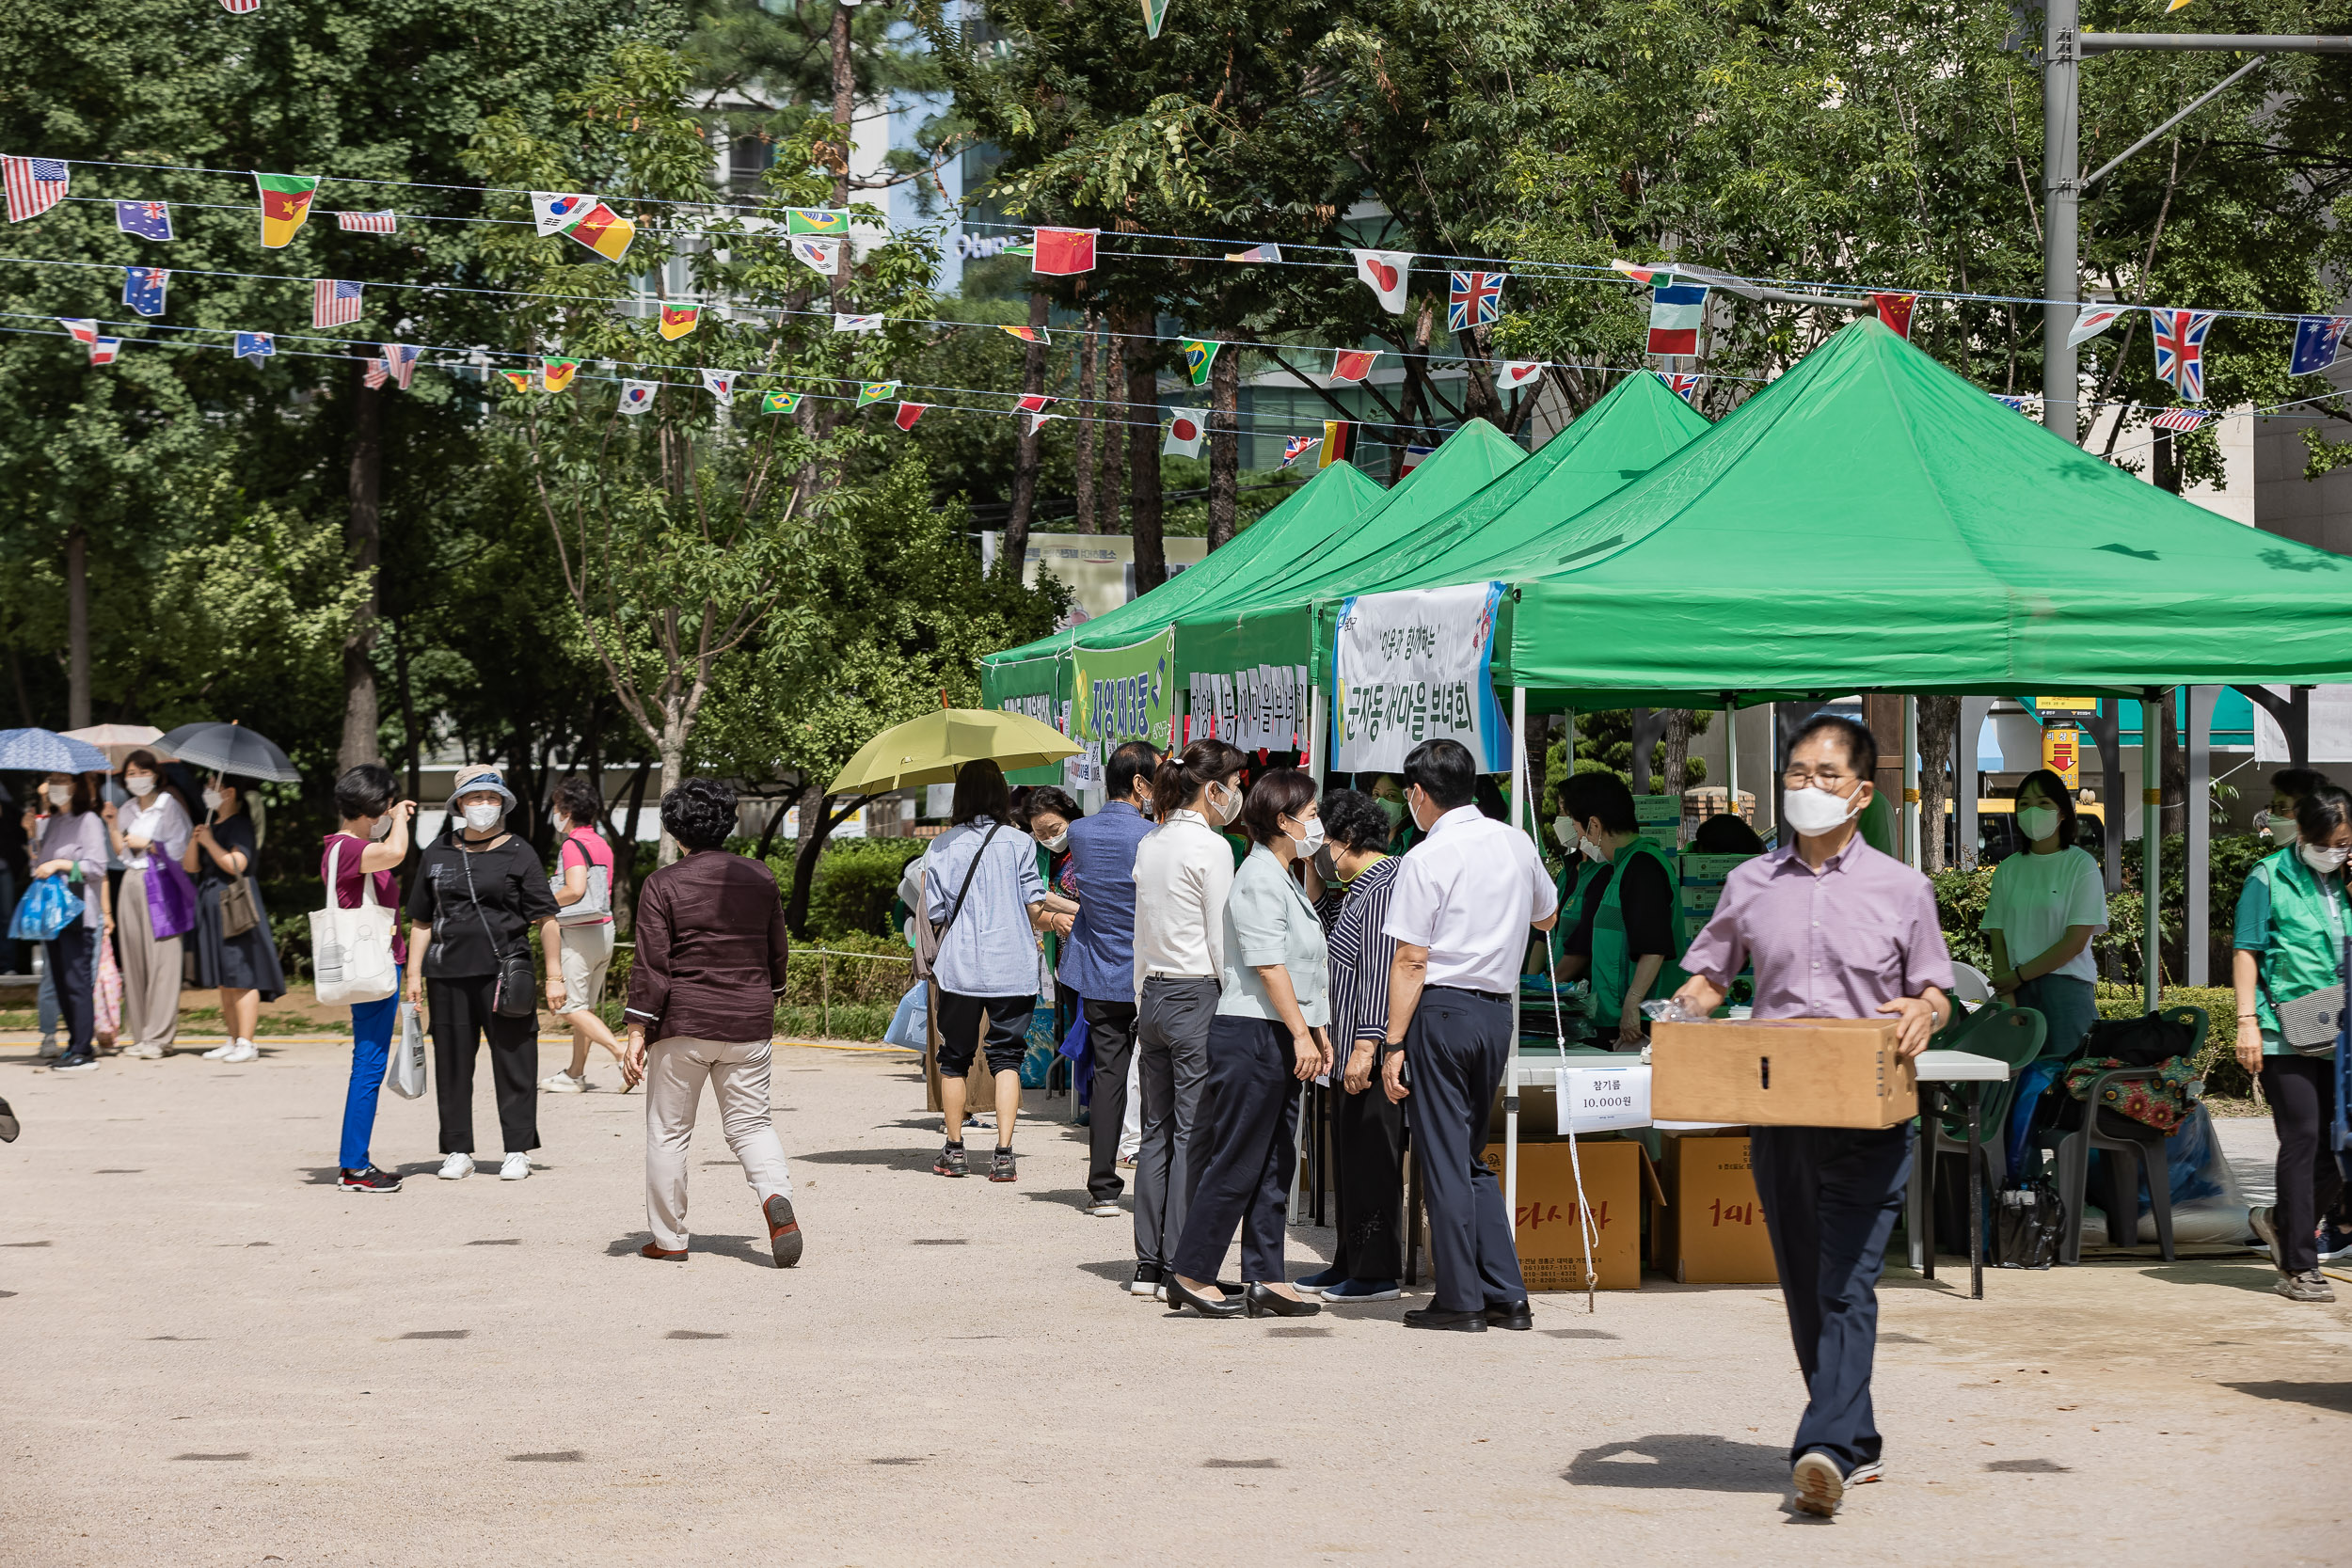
(1872, 522)
(1275, 624)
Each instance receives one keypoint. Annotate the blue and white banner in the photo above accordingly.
(1414, 666)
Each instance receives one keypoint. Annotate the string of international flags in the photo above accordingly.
(1678, 294)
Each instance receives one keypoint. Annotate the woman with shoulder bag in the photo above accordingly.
(479, 889)
(2288, 973)
(150, 835)
(236, 950)
(69, 841)
(359, 861)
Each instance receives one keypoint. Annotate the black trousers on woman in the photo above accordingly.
(1368, 1190)
(2302, 1095)
(1248, 1132)
(72, 970)
(461, 1016)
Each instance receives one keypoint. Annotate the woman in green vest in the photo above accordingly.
(2291, 925)
(1628, 929)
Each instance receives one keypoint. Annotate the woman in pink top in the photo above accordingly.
(583, 895)
(373, 842)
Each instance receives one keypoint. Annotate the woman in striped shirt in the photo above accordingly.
(1367, 1129)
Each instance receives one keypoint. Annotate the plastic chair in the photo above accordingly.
(2013, 1035)
(1971, 985)
(2134, 1155)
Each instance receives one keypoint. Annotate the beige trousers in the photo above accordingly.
(676, 1071)
(151, 969)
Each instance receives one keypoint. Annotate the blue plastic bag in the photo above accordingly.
(909, 1026)
(47, 907)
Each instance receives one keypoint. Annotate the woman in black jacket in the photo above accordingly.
(478, 891)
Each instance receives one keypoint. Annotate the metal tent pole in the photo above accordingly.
(1911, 783)
(2197, 923)
(1519, 801)
(2151, 836)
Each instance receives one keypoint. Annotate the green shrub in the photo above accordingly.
(855, 883)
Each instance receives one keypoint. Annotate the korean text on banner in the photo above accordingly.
(1603, 1100)
(1123, 694)
(1414, 666)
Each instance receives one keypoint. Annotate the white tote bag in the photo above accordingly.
(403, 1069)
(351, 950)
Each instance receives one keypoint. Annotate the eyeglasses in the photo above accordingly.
(1806, 778)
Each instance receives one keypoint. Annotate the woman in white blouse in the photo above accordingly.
(1184, 872)
(152, 829)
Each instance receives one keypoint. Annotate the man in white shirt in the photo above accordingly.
(1465, 899)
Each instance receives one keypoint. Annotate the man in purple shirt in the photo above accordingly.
(1834, 929)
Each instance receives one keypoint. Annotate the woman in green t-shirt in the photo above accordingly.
(2290, 941)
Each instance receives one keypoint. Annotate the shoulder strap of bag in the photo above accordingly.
(965, 891)
(465, 858)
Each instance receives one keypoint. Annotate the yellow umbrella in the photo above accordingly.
(928, 750)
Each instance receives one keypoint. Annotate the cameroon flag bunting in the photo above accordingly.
(604, 231)
(678, 320)
(558, 372)
(285, 206)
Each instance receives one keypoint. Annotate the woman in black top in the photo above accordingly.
(476, 895)
(220, 853)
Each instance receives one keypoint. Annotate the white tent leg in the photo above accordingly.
(1520, 802)
(2152, 835)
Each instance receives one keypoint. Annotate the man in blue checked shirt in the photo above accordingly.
(1098, 960)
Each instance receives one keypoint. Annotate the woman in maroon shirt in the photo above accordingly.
(709, 965)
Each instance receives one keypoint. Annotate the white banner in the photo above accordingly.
(1414, 666)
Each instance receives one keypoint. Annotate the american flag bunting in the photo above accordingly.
(334, 303)
(34, 185)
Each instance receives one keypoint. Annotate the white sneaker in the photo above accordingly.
(1819, 1485)
(240, 1051)
(218, 1052)
(51, 1050)
(564, 1083)
(144, 1051)
(515, 1168)
(455, 1167)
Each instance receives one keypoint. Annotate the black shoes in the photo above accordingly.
(951, 1161)
(1438, 1317)
(1179, 1298)
(1261, 1301)
(1148, 1281)
(74, 1061)
(783, 1231)
(8, 1123)
(1514, 1316)
(368, 1180)
(1001, 1168)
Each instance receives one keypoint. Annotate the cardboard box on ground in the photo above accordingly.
(1784, 1073)
(1550, 1242)
(1712, 1229)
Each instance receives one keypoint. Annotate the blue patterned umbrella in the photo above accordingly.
(47, 752)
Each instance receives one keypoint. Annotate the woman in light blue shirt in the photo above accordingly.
(982, 895)
(1269, 1036)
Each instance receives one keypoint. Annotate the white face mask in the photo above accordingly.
(1564, 829)
(2282, 828)
(140, 785)
(212, 800)
(1814, 811)
(1590, 850)
(2037, 822)
(61, 796)
(1309, 837)
(2325, 862)
(1056, 843)
(382, 830)
(483, 815)
(1218, 813)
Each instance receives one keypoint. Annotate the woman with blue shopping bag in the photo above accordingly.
(69, 905)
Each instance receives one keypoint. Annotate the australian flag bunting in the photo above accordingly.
(2318, 342)
(256, 345)
(143, 288)
(149, 220)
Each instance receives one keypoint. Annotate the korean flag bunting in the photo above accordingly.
(637, 396)
(823, 255)
(719, 384)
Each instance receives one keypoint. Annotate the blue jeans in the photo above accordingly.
(371, 1049)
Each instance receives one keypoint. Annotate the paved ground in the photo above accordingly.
(200, 1325)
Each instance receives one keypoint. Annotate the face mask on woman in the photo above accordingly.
(1056, 843)
(1590, 850)
(483, 815)
(60, 796)
(1221, 811)
(2325, 862)
(212, 800)
(1814, 812)
(382, 830)
(2282, 828)
(1310, 837)
(140, 785)
(1563, 830)
(2037, 822)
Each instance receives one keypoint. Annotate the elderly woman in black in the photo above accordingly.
(478, 891)
(234, 948)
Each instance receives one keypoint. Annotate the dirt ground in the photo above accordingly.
(199, 1323)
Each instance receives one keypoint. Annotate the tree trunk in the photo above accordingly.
(673, 753)
(363, 547)
(1408, 416)
(1089, 427)
(1939, 723)
(1109, 505)
(411, 746)
(1224, 448)
(77, 628)
(1143, 456)
(1016, 559)
(1679, 733)
(625, 853)
(2173, 765)
(816, 828)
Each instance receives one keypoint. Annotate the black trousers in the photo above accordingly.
(1111, 1036)
(2302, 1095)
(461, 1016)
(73, 972)
(1830, 1197)
(1368, 1187)
(1248, 1131)
(961, 1020)
(1457, 1050)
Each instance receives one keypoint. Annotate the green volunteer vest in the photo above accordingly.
(2302, 956)
(1612, 965)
